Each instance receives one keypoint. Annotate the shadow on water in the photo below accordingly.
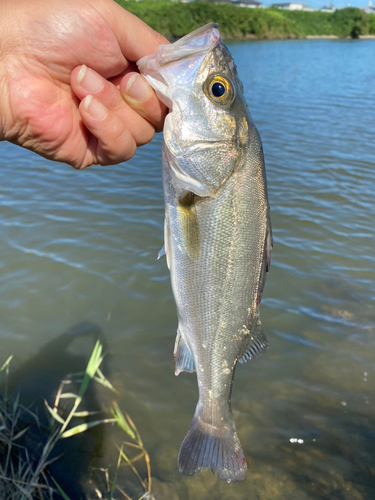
(38, 380)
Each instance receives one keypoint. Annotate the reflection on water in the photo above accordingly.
(82, 246)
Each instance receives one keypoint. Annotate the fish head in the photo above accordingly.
(206, 131)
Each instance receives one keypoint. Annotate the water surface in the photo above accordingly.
(80, 248)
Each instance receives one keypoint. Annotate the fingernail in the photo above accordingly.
(137, 88)
(89, 80)
(94, 108)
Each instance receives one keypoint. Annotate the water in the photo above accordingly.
(80, 248)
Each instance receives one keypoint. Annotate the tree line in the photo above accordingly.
(175, 19)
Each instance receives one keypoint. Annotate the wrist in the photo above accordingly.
(8, 49)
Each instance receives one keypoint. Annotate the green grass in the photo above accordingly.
(23, 477)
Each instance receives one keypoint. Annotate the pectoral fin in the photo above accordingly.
(187, 212)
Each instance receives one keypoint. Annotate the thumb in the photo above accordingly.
(136, 39)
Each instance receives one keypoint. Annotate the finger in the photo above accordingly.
(114, 143)
(116, 80)
(137, 39)
(85, 81)
(141, 97)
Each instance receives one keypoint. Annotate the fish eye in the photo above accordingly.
(219, 89)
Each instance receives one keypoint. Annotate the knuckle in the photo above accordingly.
(124, 150)
(128, 146)
(146, 135)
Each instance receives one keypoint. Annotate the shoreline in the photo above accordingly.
(322, 37)
(307, 37)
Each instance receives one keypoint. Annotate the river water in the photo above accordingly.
(78, 260)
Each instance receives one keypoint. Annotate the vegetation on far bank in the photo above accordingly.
(175, 19)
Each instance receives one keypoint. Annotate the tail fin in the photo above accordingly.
(210, 447)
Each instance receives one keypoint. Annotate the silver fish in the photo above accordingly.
(217, 234)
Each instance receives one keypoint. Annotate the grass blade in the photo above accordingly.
(54, 414)
(91, 369)
(60, 490)
(83, 414)
(6, 363)
(120, 420)
(68, 395)
(100, 378)
(92, 366)
(113, 486)
(20, 434)
(83, 427)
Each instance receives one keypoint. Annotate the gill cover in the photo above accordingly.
(196, 78)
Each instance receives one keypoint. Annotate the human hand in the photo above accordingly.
(42, 45)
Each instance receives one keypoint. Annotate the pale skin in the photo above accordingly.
(69, 86)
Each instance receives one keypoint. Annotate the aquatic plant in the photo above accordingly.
(22, 476)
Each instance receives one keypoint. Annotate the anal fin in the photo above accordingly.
(183, 358)
(257, 343)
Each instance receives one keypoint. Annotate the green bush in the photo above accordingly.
(350, 22)
(371, 24)
(175, 19)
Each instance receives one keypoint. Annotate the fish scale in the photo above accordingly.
(217, 234)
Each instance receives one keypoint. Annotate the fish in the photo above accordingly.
(217, 234)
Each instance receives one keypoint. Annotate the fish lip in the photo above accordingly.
(199, 31)
(170, 54)
(166, 51)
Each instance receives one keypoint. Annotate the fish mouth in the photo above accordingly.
(183, 49)
(199, 31)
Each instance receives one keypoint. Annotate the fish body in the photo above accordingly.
(217, 234)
